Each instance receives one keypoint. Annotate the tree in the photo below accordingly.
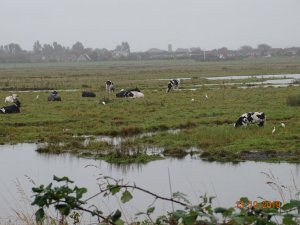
(263, 49)
(78, 48)
(14, 49)
(245, 50)
(37, 47)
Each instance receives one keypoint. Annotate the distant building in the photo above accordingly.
(84, 58)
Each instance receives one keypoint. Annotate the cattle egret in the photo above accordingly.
(273, 131)
(282, 125)
(193, 100)
(103, 103)
(37, 97)
(206, 96)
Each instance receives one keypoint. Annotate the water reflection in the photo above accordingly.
(189, 175)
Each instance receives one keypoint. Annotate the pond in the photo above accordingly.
(282, 80)
(19, 164)
(278, 76)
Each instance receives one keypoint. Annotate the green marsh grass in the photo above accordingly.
(207, 123)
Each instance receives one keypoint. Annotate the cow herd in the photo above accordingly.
(244, 120)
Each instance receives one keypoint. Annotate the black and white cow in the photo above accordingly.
(251, 117)
(173, 83)
(135, 94)
(131, 93)
(109, 86)
(53, 96)
(11, 108)
(88, 94)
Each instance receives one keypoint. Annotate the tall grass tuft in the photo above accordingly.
(131, 130)
(293, 100)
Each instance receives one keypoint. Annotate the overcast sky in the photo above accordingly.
(146, 24)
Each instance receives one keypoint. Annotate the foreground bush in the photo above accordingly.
(68, 200)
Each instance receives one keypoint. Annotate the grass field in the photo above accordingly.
(206, 123)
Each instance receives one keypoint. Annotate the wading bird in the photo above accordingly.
(273, 131)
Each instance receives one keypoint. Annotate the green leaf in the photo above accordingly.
(117, 215)
(39, 189)
(180, 196)
(126, 196)
(62, 179)
(220, 210)
(114, 189)
(119, 222)
(39, 201)
(63, 209)
(239, 220)
(295, 203)
(140, 213)
(287, 206)
(288, 220)
(178, 214)
(80, 192)
(150, 210)
(39, 215)
(189, 220)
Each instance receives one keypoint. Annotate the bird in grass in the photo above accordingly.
(282, 124)
(273, 131)
(103, 103)
(193, 100)
(37, 97)
(206, 96)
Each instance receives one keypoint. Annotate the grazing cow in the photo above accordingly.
(53, 96)
(173, 83)
(12, 98)
(88, 94)
(109, 86)
(251, 117)
(11, 108)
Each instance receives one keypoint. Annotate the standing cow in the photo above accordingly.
(251, 117)
(109, 86)
(173, 83)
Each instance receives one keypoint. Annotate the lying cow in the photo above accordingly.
(109, 86)
(173, 83)
(53, 96)
(135, 94)
(251, 117)
(131, 93)
(11, 108)
(12, 98)
(88, 94)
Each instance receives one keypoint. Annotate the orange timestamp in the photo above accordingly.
(255, 204)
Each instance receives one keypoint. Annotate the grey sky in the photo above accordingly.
(146, 24)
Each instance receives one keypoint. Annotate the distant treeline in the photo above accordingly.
(55, 52)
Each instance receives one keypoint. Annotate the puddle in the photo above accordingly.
(181, 78)
(283, 76)
(117, 141)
